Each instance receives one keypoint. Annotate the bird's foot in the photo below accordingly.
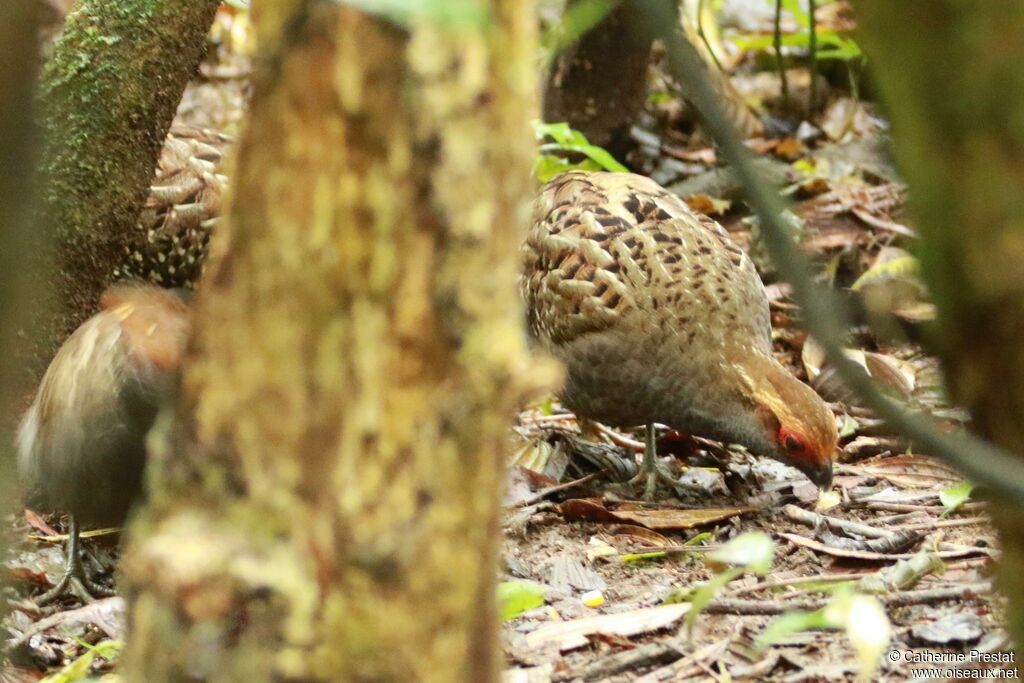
(75, 581)
(649, 478)
(77, 584)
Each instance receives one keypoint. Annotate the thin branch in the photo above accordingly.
(779, 61)
(825, 313)
(813, 28)
(704, 36)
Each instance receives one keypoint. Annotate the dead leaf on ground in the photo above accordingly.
(569, 635)
(638, 535)
(594, 510)
(36, 521)
(708, 205)
(911, 471)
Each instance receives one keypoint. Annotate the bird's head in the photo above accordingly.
(795, 420)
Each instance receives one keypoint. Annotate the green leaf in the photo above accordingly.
(794, 7)
(77, 670)
(578, 18)
(469, 14)
(831, 44)
(548, 166)
(700, 538)
(639, 558)
(237, 4)
(547, 408)
(861, 616)
(566, 140)
(955, 496)
(788, 624)
(516, 597)
(901, 268)
(753, 550)
(705, 593)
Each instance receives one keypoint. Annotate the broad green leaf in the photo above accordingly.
(566, 140)
(548, 166)
(955, 496)
(578, 18)
(452, 13)
(516, 597)
(796, 9)
(901, 268)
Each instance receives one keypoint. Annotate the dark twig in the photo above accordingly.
(551, 490)
(779, 60)
(901, 599)
(703, 35)
(813, 28)
(825, 316)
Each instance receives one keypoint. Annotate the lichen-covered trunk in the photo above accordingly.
(951, 74)
(106, 99)
(326, 505)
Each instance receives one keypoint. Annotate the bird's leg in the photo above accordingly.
(650, 464)
(650, 472)
(74, 581)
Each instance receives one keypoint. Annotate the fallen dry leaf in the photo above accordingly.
(569, 635)
(593, 510)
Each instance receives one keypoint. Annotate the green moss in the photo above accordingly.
(106, 99)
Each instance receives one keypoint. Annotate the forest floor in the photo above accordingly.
(618, 575)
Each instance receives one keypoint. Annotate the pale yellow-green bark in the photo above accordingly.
(326, 507)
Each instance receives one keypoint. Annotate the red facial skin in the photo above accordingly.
(794, 444)
(802, 454)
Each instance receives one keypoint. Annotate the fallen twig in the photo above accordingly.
(903, 599)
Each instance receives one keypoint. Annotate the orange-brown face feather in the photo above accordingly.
(154, 323)
(806, 423)
(797, 419)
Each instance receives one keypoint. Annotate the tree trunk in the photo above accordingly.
(331, 508)
(951, 74)
(19, 25)
(107, 97)
(599, 84)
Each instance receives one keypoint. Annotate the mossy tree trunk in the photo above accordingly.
(952, 77)
(326, 507)
(106, 100)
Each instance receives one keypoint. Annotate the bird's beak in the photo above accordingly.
(819, 472)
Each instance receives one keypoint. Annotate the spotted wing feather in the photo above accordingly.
(609, 249)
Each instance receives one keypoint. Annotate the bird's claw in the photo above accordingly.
(650, 478)
(75, 580)
(77, 585)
